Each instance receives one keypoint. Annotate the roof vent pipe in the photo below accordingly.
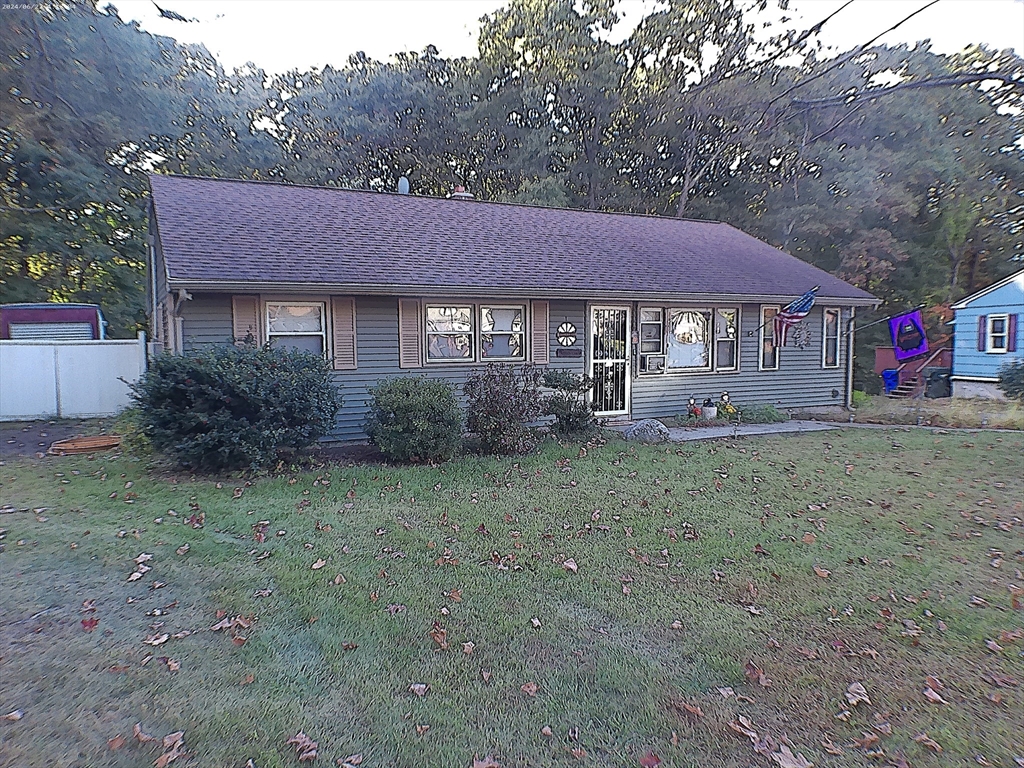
(460, 193)
(403, 186)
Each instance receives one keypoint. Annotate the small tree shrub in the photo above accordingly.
(860, 398)
(568, 403)
(502, 400)
(234, 407)
(762, 414)
(1011, 380)
(415, 419)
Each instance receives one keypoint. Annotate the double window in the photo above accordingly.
(688, 339)
(475, 332)
(298, 325)
(998, 333)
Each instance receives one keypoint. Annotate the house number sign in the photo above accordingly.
(566, 334)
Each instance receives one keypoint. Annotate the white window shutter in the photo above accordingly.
(540, 343)
(343, 323)
(245, 319)
(410, 338)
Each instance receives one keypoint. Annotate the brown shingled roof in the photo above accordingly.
(236, 233)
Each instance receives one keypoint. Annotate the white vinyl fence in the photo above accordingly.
(67, 379)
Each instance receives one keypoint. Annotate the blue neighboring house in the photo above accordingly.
(988, 334)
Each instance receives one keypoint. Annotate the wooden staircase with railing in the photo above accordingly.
(911, 382)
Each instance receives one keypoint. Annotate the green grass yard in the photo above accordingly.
(653, 595)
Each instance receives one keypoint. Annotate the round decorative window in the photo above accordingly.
(566, 334)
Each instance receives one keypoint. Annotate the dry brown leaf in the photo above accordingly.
(156, 640)
(855, 694)
(248, 679)
(650, 760)
(116, 743)
(420, 689)
(141, 735)
(821, 572)
(578, 752)
(421, 729)
(14, 715)
(530, 689)
(786, 759)
(486, 675)
(546, 731)
(744, 727)
(351, 761)
(809, 538)
(339, 579)
(867, 740)
(535, 622)
(934, 697)
(831, 748)
(320, 563)
(922, 738)
(439, 635)
(570, 565)
(305, 747)
(992, 645)
(467, 648)
(173, 740)
(755, 674)
(182, 549)
(486, 762)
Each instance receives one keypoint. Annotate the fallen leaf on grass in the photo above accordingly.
(821, 572)
(744, 727)
(650, 760)
(992, 645)
(172, 665)
(933, 696)
(13, 716)
(867, 740)
(535, 622)
(934, 683)
(578, 752)
(182, 549)
(831, 748)
(922, 738)
(239, 640)
(421, 729)
(349, 646)
(320, 563)
(755, 674)
(786, 759)
(487, 762)
(116, 743)
(420, 689)
(692, 710)
(467, 648)
(351, 761)
(530, 689)
(141, 735)
(248, 679)
(156, 640)
(89, 624)
(305, 747)
(809, 538)
(570, 565)
(546, 731)
(486, 675)
(135, 576)
(855, 694)
(439, 635)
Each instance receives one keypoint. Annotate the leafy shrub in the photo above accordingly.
(860, 398)
(568, 404)
(502, 400)
(415, 419)
(763, 414)
(1011, 379)
(233, 407)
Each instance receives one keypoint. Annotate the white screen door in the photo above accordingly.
(609, 360)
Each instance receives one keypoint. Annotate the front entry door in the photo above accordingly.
(609, 360)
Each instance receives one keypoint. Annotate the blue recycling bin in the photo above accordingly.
(890, 379)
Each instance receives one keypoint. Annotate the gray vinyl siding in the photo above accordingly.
(207, 320)
(800, 381)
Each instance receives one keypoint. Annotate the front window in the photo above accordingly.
(297, 325)
(830, 339)
(727, 333)
(769, 358)
(998, 333)
(688, 339)
(501, 333)
(450, 333)
(652, 330)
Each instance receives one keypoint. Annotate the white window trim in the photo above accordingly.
(476, 335)
(324, 320)
(765, 328)
(824, 336)
(660, 322)
(521, 358)
(739, 335)
(991, 348)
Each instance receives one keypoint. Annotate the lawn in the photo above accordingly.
(577, 607)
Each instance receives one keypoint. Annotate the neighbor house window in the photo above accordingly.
(688, 339)
(998, 333)
(830, 339)
(449, 333)
(502, 332)
(727, 334)
(297, 325)
(769, 358)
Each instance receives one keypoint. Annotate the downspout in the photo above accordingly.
(849, 358)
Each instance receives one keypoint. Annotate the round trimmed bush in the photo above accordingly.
(415, 419)
(232, 407)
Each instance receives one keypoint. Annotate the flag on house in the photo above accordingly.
(791, 314)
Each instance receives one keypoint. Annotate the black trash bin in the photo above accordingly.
(937, 384)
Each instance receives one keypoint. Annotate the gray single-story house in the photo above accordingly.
(656, 309)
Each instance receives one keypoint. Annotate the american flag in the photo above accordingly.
(791, 314)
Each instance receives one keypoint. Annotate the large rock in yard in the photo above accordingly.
(647, 431)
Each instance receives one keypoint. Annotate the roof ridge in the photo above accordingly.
(266, 182)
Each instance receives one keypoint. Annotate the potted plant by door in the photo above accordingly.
(709, 409)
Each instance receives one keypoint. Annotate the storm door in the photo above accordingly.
(609, 360)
